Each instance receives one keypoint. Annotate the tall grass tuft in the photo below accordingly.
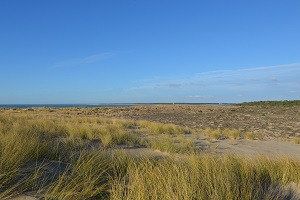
(86, 178)
(250, 135)
(205, 177)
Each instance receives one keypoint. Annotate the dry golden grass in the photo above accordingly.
(297, 140)
(250, 135)
(233, 134)
(166, 143)
(100, 172)
(228, 133)
(205, 177)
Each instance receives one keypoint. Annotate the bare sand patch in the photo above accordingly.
(251, 147)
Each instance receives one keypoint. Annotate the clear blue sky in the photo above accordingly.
(108, 51)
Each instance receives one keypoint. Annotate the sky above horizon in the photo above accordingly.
(125, 51)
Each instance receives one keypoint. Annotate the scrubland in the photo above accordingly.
(77, 157)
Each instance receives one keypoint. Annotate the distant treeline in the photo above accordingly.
(271, 103)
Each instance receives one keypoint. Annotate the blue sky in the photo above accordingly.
(149, 51)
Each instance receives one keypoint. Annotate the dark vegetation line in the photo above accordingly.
(271, 103)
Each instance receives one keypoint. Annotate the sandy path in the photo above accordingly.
(251, 147)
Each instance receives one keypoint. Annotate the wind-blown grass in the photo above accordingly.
(100, 172)
(206, 177)
(85, 178)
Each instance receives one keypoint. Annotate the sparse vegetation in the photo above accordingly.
(227, 133)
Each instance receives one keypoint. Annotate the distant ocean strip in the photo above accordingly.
(64, 105)
(96, 105)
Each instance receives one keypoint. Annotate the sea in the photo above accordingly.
(98, 105)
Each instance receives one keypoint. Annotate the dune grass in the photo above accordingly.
(250, 136)
(297, 140)
(32, 144)
(166, 143)
(206, 177)
(158, 128)
(87, 177)
(229, 133)
(232, 134)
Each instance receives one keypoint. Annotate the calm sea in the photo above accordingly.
(96, 105)
(66, 105)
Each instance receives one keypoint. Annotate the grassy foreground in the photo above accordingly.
(57, 157)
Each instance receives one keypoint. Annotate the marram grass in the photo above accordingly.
(93, 172)
(205, 177)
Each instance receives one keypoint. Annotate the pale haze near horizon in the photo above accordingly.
(149, 51)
